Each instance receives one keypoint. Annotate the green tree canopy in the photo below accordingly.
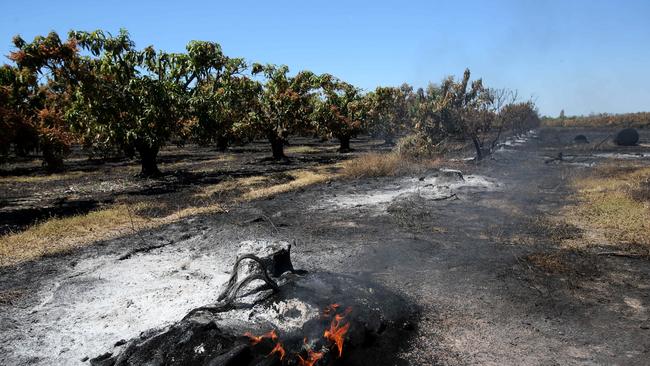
(284, 105)
(341, 112)
(130, 98)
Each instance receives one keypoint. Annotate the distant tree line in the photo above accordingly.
(100, 91)
(637, 119)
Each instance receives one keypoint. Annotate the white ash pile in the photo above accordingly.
(438, 185)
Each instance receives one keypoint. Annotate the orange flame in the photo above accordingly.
(336, 332)
(272, 335)
(279, 350)
(312, 358)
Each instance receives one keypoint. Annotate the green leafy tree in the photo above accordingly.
(342, 111)
(284, 104)
(130, 98)
(220, 97)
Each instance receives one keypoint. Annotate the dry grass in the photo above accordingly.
(372, 165)
(40, 178)
(304, 149)
(231, 185)
(301, 179)
(59, 235)
(198, 166)
(614, 202)
(385, 165)
(548, 262)
(266, 186)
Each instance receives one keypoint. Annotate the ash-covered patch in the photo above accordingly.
(443, 184)
(105, 300)
(290, 314)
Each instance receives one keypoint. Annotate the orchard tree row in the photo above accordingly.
(100, 91)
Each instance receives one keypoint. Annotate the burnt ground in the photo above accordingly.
(463, 261)
(28, 196)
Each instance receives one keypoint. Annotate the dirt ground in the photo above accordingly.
(482, 258)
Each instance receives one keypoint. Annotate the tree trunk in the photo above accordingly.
(148, 156)
(277, 146)
(52, 160)
(222, 143)
(129, 151)
(345, 144)
(477, 146)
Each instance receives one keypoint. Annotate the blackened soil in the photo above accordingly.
(463, 261)
(28, 194)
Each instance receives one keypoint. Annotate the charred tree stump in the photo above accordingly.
(272, 261)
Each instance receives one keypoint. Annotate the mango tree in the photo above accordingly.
(17, 94)
(389, 115)
(341, 112)
(220, 96)
(427, 114)
(37, 92)
(130, 98)
(284, 104)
